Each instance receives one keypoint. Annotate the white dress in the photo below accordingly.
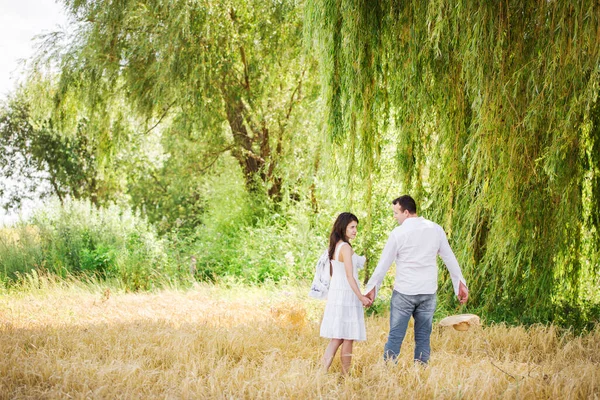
(344, 316)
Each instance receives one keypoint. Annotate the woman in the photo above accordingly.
(344, 320)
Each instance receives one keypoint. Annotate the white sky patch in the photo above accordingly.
(20, 22)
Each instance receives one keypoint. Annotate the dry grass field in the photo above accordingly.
(75, 341)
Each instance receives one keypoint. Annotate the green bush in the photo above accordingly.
(20, 251)
(77, 238)
(256, 246)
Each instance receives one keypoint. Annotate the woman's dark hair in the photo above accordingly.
(338, 232)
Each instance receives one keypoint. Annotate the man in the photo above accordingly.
(414, 245)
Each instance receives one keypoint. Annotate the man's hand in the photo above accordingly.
(371, 295)
(463, 293)
(366, 302)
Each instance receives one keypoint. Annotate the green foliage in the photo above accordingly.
(167, 90)
(222, 76)
(79, 239)
(251, 239)
(33, 153)
(20, 250)
(493, 110)
(168, 189)
(205, 118)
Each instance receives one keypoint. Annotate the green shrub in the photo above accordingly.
(78, 238)
(256, 246)
(20, 251)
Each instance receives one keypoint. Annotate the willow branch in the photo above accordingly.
(164, 114)
(246, 83)
(158, 182)
(216, 154)
(292, 102)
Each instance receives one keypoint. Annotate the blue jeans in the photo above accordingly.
(421, 307)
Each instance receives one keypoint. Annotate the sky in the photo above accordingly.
(20, 22)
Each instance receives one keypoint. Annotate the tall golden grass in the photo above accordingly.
(76, 341)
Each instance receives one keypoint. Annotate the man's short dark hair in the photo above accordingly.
(406, 203)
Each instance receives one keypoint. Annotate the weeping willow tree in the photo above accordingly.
(494, 110)
(228, 76)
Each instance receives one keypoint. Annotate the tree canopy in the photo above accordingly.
(202, 66)
(495, 107)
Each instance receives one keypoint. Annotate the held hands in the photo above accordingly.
(463, 293)
(366, 302)
(371, 295)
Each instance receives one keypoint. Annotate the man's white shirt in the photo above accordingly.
(414, 246)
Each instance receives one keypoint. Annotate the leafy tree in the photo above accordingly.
(41, 160)
(226, 75)
(494, 111)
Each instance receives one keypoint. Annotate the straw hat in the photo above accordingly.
(461, 322)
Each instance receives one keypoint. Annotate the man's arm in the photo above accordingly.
(385, 262)
(458, 281)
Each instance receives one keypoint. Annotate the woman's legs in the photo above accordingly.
(330, 351)
(346, 355)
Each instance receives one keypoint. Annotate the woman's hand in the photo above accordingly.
(365, 301)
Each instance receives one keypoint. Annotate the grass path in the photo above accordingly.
(73, 341)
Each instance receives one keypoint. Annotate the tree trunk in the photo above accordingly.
(258, 169)
(251, 164)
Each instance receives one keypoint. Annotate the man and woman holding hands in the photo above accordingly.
(414, 245)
